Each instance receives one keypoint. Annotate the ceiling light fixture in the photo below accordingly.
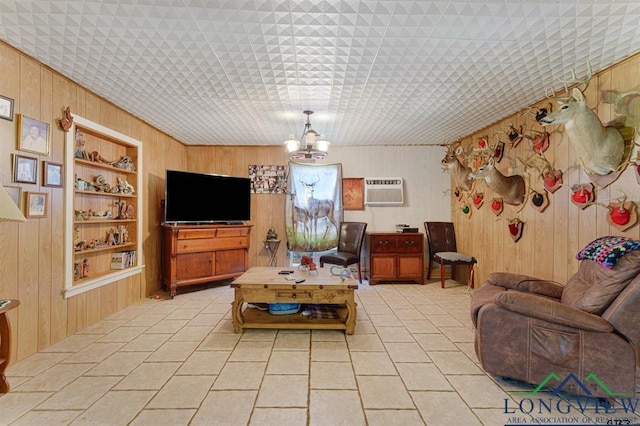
(308, 147)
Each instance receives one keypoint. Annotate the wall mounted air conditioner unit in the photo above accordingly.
(383, 191)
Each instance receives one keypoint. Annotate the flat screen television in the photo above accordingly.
(199, 198)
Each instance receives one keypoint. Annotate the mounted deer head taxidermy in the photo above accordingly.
(600, 149)
(454, 166)
(512, 189)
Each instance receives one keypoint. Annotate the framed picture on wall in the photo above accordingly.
(33, 135)
(353, 193)
(52, 174)
(36, 204)
(6, 108)
(25, 169)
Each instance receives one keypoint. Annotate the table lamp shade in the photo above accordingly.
(9, 212)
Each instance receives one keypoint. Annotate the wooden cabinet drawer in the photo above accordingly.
(190, 234)
(195, 245)
(232, 232)
(295, 296)
(410, 243)
(384, 243)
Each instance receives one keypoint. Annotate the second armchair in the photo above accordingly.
(349, 246)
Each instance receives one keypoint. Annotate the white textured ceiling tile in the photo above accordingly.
(382, 71)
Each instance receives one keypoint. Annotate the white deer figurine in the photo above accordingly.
(460, 172)
(511, 188)
(600, 149)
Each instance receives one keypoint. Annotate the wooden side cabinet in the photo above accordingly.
(195, 254)
(5, 340)
(396, 257)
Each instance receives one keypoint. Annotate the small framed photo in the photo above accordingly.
(52, 174)
(36, 204)
(25, 169)
(6, 108)
(33, 135)
(15, 193)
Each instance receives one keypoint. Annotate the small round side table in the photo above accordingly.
(5, 340)
(271, 247)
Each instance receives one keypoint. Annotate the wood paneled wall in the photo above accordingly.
(266, 209)
(31, 252)
(552, 238)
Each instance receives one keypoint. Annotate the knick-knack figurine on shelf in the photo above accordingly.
(271, 234)
(85, 268)
(111, 238)
(125, 163)
(125, 211)
(79, 153)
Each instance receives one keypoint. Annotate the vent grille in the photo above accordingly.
(383, 191)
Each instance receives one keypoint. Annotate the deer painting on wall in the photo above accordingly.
(600, 149)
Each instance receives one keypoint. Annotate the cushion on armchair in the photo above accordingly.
(549, 310)
(527, 284)
(593, 287)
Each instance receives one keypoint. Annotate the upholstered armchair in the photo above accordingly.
(528, 328)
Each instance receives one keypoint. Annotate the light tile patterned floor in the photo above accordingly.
(178, 362)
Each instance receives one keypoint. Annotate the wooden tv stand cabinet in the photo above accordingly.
(195, 254)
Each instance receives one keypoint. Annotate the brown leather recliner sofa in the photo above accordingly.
(528, 329)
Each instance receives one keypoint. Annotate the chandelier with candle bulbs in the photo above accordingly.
(309, 146)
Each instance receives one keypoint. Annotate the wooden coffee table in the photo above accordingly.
(265, 285)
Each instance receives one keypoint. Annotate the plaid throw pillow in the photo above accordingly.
(606, 251)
